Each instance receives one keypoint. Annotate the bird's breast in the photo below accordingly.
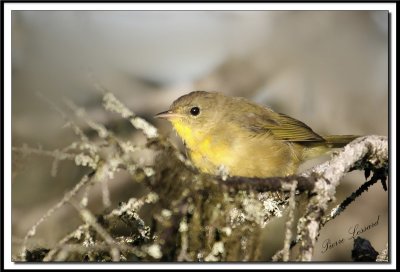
(240, 154)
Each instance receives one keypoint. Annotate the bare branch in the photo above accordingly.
(67, 197)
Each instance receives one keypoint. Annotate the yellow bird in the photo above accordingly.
(241, 138)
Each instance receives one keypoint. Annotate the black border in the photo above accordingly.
(169, 263)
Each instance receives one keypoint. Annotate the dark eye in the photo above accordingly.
(194, 111)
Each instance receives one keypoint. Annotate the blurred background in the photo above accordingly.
(328, 69)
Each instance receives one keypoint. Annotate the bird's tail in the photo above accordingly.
(337, 141)
(315, 149)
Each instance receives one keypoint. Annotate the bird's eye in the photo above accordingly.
(194, 111)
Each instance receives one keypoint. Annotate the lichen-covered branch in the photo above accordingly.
(284, 254)
(378, 175)
(111, 103)
(192, 216)
(371, 150)
(281, 184)
(67, 197)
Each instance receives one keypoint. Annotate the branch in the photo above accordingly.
(370, 150)
(304, 183)
(67, 197)
(368, 153)
(364, 153)
(284, 253)
(198, 216)
(111, 103)
(342, 206)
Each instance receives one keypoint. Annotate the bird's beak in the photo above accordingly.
(167, 115)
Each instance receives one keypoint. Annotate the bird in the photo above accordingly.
(238, 137)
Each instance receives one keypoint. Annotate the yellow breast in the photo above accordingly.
(207, 153)
(238, 153)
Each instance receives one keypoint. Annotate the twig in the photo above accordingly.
(183, 229)
(112, 104)
(64, 116)
(285, 252)
(81, 113)
(342, 206)
(130, 208)
(67, 197)
(91, 220)
(56, 154)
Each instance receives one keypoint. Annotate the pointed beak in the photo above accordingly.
(167, 115)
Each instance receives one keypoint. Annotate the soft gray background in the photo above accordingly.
(326, 68)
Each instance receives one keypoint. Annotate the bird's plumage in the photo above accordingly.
(243, 138)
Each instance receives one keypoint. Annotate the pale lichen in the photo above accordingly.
(154, 251)
(216, 253)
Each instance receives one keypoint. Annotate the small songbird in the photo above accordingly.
(243, 138)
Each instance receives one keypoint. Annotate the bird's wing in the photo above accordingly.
(281, 126)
